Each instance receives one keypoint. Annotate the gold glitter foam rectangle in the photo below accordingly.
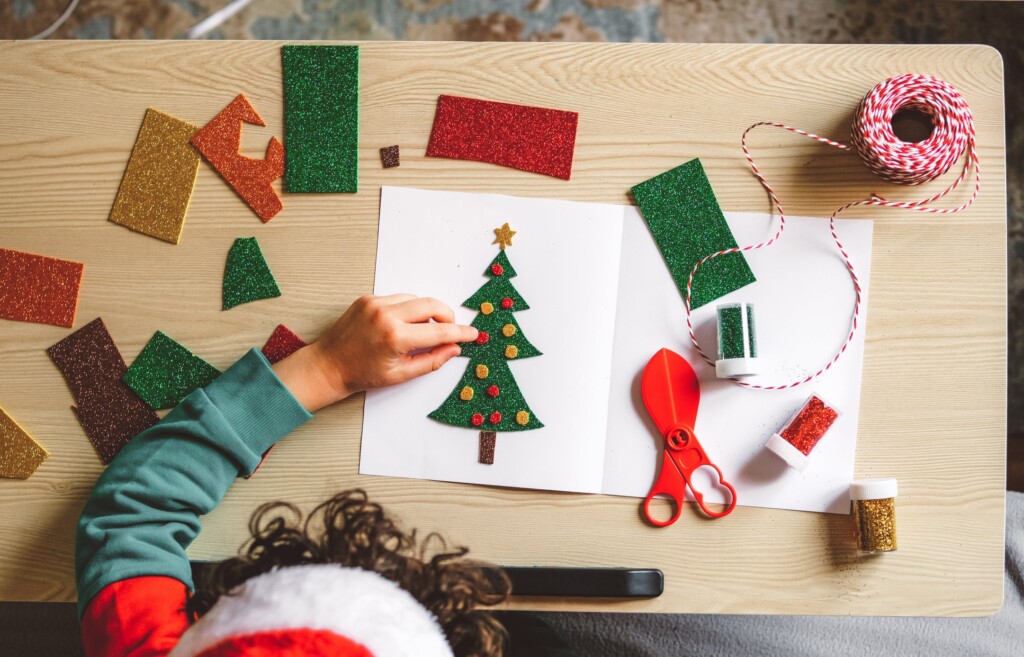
(158, 181)
(20, 455)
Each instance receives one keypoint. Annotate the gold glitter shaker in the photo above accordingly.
(874, 514)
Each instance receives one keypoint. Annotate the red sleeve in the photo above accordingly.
(138, 617)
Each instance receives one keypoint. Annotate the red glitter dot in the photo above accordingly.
(493, 391)
(482, 337)
(497, 269)
(810, 425)
(477, 419)
(506, 303)
(495, 417)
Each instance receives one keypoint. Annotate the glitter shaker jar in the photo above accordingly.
(737, 343)
(874, 514)
(803, 431)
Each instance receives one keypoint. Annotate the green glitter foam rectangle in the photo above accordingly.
(680, 208)
(321, 118)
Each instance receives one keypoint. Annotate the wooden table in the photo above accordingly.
(933, 409)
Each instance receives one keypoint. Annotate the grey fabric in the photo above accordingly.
(647, 635)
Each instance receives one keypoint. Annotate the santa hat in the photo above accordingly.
(316, 611)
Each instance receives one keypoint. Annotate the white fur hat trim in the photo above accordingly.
(351, 602)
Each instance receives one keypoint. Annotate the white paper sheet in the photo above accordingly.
(803, 300)
(602, 303)
(566, 255)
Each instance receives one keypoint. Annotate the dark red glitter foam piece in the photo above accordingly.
(281, 344)
(528, 138)
(107, 409)
(36, 288)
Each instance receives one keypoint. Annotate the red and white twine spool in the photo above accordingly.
(892, 159)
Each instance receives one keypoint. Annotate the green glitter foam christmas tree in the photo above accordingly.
(487, 396)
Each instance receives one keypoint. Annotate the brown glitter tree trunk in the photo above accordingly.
(487, 441)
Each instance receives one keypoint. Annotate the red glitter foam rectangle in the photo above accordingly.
(533, 139)
(39, 289)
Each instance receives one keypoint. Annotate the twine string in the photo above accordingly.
(889, 157)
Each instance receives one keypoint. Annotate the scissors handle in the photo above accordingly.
(669, 483)
(699, 497)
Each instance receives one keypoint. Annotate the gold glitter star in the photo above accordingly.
(504, 236)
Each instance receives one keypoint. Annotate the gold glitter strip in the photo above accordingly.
(20, 455)
(158, 181)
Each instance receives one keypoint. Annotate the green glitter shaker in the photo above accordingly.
(737, 341)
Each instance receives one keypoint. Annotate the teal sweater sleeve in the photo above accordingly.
(144, 510)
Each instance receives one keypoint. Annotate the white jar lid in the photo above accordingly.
(872, 489)
(785, 451)
(729, 368)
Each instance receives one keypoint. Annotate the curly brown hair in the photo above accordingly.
(351, 531)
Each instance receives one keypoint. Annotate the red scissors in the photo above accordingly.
(671, 394)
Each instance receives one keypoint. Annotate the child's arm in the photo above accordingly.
(144, 510)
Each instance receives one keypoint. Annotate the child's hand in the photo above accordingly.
(369, 347)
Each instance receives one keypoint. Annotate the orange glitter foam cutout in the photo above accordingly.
(219, 141)
(39, 289)
(158, 181)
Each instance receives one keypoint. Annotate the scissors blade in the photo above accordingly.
(670, 390)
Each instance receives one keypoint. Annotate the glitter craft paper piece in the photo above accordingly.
(39, 289)
(247, 276)
(281, 344)
(166, 372)
(390, 157)
(219, 141)
(158, 181)
(680, 208)
(321, 118)
(107, 409)
(533, 139)
(20, 455)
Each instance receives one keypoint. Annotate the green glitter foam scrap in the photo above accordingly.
(680, 208)
(321, 118)
(247, 275)
(166, 372)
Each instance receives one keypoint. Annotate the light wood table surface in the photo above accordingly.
(934, 387)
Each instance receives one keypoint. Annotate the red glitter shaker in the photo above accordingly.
(803, 431)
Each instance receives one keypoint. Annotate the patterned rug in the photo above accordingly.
(748, 21)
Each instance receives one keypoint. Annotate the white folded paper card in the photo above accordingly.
(602, 302)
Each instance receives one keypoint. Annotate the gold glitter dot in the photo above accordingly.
(522, 418)
(466, 394)
(20, 455)
(511, 351)
(486, 308)
(508, 330)
(482, 371)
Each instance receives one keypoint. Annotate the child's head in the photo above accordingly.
(352, 533)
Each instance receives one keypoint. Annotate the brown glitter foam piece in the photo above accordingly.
(158, 181)
(389, 157)
(488, 440)
(20, 454)
(219, 141)
(109, 412)
(39, 289)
